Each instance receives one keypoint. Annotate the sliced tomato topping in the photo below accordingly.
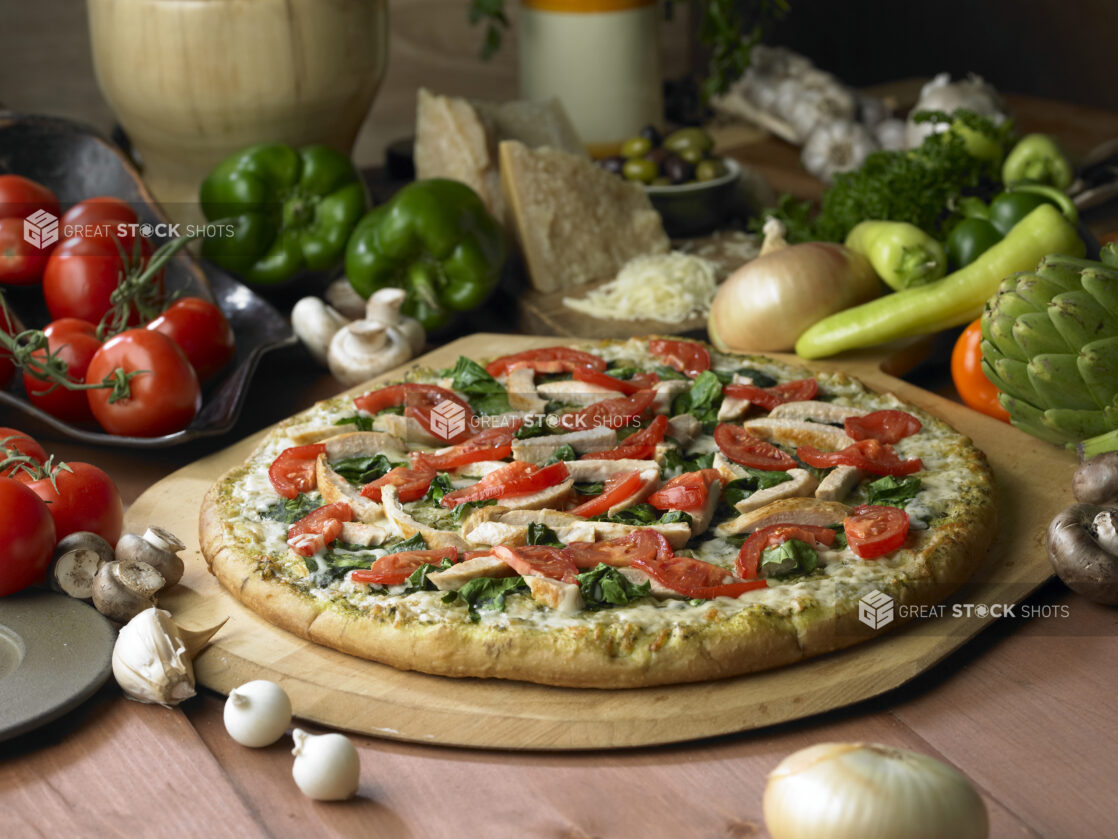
(749, 557)
(768, 398)
(516, 478)
(411, 484)
(546, 360)
(887, 426)
(493, 443)
(420, 401)
(621, 551)
(688, 491)
(685, 356)
(640, 445)
(868, 455)
(318, 528)
(695, 578)
(394, 569)
(641, 381)
(292, 471)
(750, 450)
(873, 531)
(617, 489)
(613, 413)
(538, 561)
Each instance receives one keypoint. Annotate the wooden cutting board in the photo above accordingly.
(348, 693)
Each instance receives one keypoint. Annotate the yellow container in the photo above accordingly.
(601, 58)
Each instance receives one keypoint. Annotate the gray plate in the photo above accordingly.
(75, 163)
(55, 652)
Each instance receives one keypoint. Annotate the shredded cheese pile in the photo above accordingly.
(670, 287)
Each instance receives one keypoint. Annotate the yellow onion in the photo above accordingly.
(768, 302)
(841, 790)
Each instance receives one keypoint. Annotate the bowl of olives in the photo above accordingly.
(692, 189)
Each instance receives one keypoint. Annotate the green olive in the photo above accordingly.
(636, 147)
(641, 169)
(692, 156)
(708, 170)
(688, 138)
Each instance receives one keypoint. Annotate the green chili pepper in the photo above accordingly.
(957, 299)
(969, 239)
(291, 209)
(434, 239)
(902, 254)
(1036, 158)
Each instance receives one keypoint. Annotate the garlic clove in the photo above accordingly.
(196, 640)
(150, 661)
(327, 767)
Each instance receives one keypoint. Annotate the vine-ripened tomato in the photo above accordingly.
(419, 401)
(163, 398)
(612, 413)
(873, 531)
(546, 360)
(394, 569)
(617, 489)
(86, 267)
(493, 443)
(620, 552)
(749, 557)
(688, 491)
(16, 441)
(75, 342)
(750, 450)
(869, 455)
(27, 534)
(21, 197)
(640, 445)
(21, 263)
(318, 528)
(886, 426)
(516, 478)
(626, 387)
(539, 561)
(801, 390)
(293, 470)
(976, 391)
(411, 484)
(687, 357)
(202, 331)
(695, 578)
(82, 497)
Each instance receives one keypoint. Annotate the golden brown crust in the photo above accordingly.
(599, 655)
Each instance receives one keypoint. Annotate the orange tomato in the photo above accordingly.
(974, 388)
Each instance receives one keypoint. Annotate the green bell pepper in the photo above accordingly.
(290, 210)
(983, 227)
(969, 239)
(902, 254)
(434, 239)
(1037, 159)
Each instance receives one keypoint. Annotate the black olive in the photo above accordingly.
(653, 136)
(657, 156)
(677, 169)
(613, 164)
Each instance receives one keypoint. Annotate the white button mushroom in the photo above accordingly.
(326, 767)
(364, 348)
(315, 323)
(257, 713)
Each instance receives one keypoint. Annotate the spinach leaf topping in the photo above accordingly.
(757, 479)
(541, 534)
(890, 492)
(564, 452)
(790, 557)
(485, 394)
(487, 593)
(290, 510)
(605, 586)
(358, 421)
(702, 400)
(440, 486)
(362, 469)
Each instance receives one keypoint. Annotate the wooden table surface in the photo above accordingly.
(1025, 710)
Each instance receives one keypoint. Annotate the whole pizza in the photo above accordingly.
(620, 514)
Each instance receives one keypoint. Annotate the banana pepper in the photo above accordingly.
(291, 210)
(1037, 159)
(955, 300)
(434, 239)
(902, 254)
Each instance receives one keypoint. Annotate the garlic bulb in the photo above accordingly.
(257, 713)
(942, 94)
(326, 767)
(839, 790)
(835, 147)
(152, 658)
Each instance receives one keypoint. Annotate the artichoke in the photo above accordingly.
(1050, 344)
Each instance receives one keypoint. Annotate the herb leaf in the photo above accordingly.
(485, 394)
(702, 400)
(590, 488)
(541, 534)
(605, 586)
(290, 510)
(486, 593)
(757, 479)
(440, 486)
(893, 493)
(789, 557)
(564, 452)
(362, 469)
(417, 580)
(359, 421)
